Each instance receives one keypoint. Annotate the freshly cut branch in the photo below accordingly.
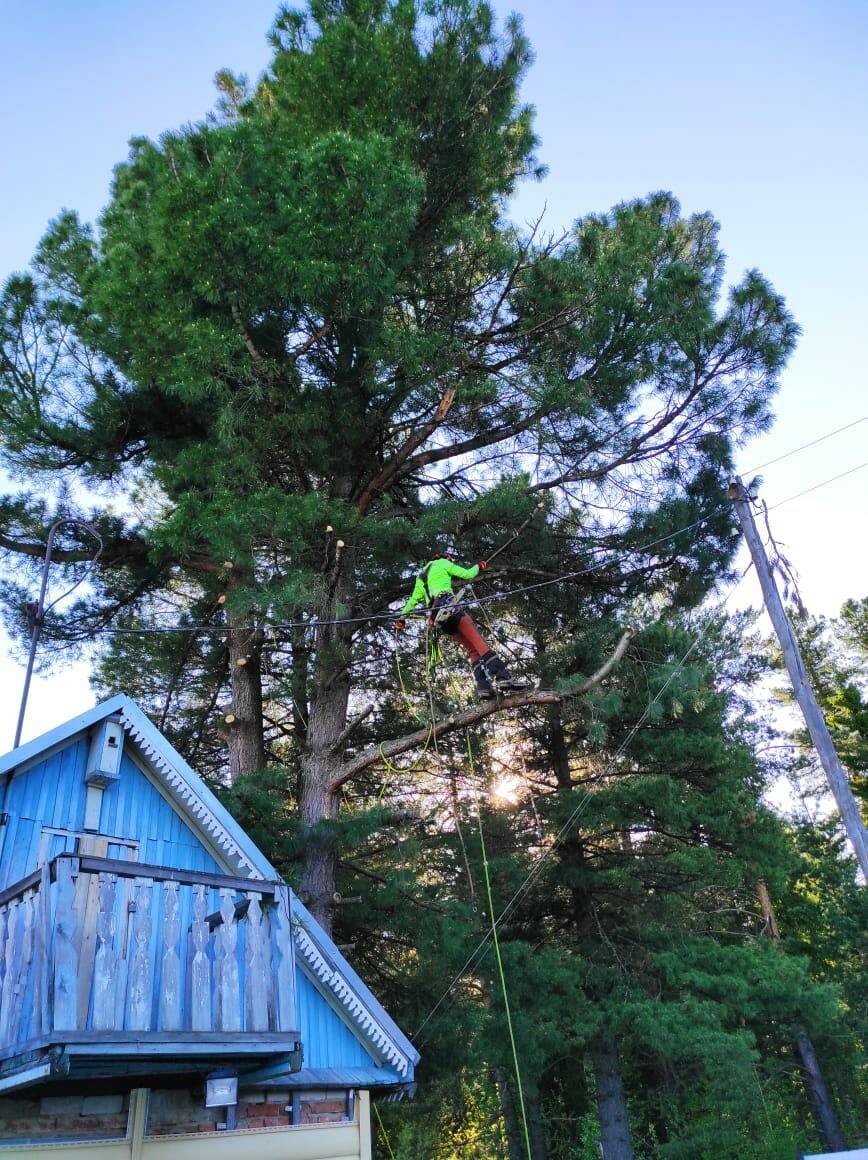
(389, 749)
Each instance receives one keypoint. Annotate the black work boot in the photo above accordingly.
(500, 676)
(483, 684)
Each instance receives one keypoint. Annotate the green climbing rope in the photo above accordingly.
(501, 972)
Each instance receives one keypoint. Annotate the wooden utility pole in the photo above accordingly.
(822, 739)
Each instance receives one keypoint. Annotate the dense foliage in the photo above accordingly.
(303, 343)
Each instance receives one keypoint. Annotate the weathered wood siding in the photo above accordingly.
(90, 944)
(124, 952)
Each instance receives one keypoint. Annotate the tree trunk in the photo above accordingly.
(603, 1050)
(821, 1100)
(515, 1148)
(615, 1141)
(321, 759)
(818, 1093)
(246, 734)
(538, 1144)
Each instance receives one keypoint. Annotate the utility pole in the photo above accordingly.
(835, 773)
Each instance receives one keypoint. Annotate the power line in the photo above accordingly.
(375, 617)
(817, 486)
(812, 443)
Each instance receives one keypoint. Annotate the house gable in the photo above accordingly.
(45, 805)
(154, 809)
(327, 1040)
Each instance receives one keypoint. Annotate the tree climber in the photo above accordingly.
(448, 614)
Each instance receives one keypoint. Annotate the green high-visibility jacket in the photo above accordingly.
(435, 579)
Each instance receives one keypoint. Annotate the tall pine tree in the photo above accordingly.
(311, 311)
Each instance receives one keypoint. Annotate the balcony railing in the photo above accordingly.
(96, 948)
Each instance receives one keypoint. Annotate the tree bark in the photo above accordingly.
(245, 736)
(821, 1099)
(321, 759)
(538, 1144)
(515, 1148)
(615, 1139)
(818, 1094)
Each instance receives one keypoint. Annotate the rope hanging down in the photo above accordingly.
(482, 947)
(502, 974)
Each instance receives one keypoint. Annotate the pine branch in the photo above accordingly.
(351, 727)
(433, 732)
(391, 469)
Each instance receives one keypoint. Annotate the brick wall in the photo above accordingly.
(330, 1110)
(175, 1113)
(170, 1113)
(272, 1108)
(63, 1118)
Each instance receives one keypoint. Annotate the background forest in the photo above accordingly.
(302, 347)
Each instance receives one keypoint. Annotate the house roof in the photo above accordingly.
(319, 956)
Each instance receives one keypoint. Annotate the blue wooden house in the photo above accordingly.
(158, 981)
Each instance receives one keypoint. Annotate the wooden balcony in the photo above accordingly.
(111, 967)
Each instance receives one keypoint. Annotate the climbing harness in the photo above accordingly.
(445, 611)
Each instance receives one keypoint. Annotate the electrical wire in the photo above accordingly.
(477, 601)
(817, 486)
(811, 443)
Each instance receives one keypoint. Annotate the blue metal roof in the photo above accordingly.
(339, 1077)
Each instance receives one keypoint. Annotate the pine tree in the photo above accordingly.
(649, 903)
(835, 656)
(309, 312)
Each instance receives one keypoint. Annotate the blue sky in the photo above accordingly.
(756, 112)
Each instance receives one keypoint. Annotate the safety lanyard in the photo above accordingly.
(423, 577)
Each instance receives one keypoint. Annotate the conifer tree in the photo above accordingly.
(311, 312)
(639, 947)
(835, 653)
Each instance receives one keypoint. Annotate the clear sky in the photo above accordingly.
(756, 112)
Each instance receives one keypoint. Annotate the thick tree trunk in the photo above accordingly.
(317, 803)
(321, 759)
(615, 1141)
(245, 736)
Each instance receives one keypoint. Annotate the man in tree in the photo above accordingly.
(449, 615)
(312, 310)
